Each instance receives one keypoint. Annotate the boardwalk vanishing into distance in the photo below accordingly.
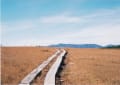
(50, 76)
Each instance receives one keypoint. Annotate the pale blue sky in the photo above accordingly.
(44, 22)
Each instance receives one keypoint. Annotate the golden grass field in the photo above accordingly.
(17, 62)
(92, 67)
(83, 66)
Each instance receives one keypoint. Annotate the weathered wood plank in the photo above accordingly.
(50, 77)
(31, 76)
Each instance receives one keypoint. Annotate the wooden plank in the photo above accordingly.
(31, 76)
(50, 77)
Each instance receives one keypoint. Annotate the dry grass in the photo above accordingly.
(84, 66)
(17, 62)
(92, 67)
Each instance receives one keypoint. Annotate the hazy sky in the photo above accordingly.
(44, 22)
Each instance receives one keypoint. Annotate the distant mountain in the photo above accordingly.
(112, 46)
(77, 45)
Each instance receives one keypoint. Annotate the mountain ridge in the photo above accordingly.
(77, 45)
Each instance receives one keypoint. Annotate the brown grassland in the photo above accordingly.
(17, 62)
(92, 67)
(83, 66)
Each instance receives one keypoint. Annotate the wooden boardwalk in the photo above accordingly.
(50, 77)
(31, 76)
